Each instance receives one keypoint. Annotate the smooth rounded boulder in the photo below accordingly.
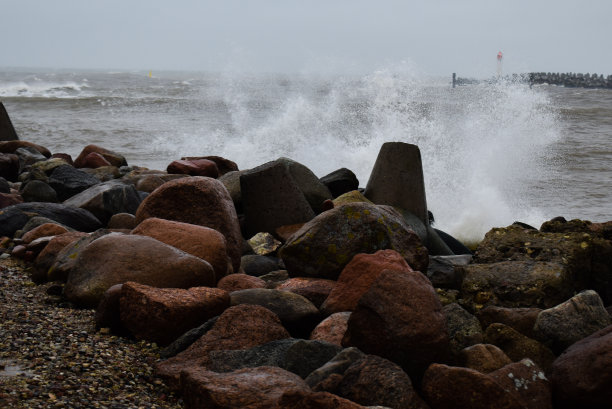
(326, 244)
(117, 258)
(203, 242)
(197, 200)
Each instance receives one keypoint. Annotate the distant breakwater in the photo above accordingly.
(574, 80)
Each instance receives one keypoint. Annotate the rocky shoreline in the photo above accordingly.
(208, 286)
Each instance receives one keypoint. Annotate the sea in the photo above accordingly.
(493, 152)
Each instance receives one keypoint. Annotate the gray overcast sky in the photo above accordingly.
(437, 36)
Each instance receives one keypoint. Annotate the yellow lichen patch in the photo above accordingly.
(331, 249)
(482, 297)
(350, 235)
(584, 245)
(73, 256)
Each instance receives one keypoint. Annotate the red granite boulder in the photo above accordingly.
(526, 381)
(46, 257)
(237, 282)
(357, 277)
(44, 230)
(195, 167)
(113, 158)
(314, 400)
(162, 315)
(484, 358)
(93, 160)
(203, 242)
(581, 376)
(332, 328)
(197, 200)
(239, 327)
(400, 318)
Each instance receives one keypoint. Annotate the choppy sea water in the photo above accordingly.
(492, 153)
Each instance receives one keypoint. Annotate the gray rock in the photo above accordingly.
(38, 191)
(463, 328)
(340, 181)
(337, 365)
(256, 265)
(442, 273)
(4, 186)
(67, 181)
(184, 341)
(7, 131)
(572, 320)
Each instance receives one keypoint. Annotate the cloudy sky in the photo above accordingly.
(435, 36)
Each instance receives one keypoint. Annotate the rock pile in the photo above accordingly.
(349, 300)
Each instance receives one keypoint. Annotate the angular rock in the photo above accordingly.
(184, 341)
(106, 199)
(581, 376)
(340, 181)
(253, 388)
(517, 346)
(296, 313)
(442, 273)
(7, 131)
(14, 217)
(298, 356)
(197, 200)
(332, 328)
(195, 167)
(199, 241)
(116, 258)
(326, 244)
(236, 282)
(38, 191)
(111, 157)
(584, 260)
(316, 290)
(463, 328)
(400, 318)
(272, 198)
(239, 327)
(334, 367)
(521, 319)
(29, 156)
(68, 181)
(357, 277)
(484, 358)
(526, 381)
(573, 320)
(162, 315)
(397, 179)
(263, 244)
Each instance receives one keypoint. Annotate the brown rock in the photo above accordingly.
(377, 381)
(46, 257)
(526, 381)
(400, 318)
(122, 221)
(9, 166)
(236, 282)
(111, 157)
(203, 242)
(44, 230)
(332, 328)
(9, 199)
(521, 319)
(517, 346)
(195, 167)
(284, 232)
(239, 327)
(357, 277)
(581, 376)
(12, 146)
(314, 400)
(64, 156)
(484, 358)
(314, 289)
(224, 165)
(197, 200)
(117, 258)
(107, 312)
(447, 387)
(253, 388)
(93, 160)
(162, 315)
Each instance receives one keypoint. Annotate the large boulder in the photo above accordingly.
(581, 376)
(46, 257)
(520, 319)
(239, 327)
(271, 198)
(357, 277)
(66, 257)
(111, 157)
(162, 315)
(194, 167)
(38, 191)
(526, 381)
(464, 329)
(400, 318)
(573, 320)
(67, 181)
(106, 199)
(117, 258)
(223, 164)
(340, 181)
(197, 200)
(253, 388)
(566, 263)
(12, 146)
(14, 217)
(203, 242)
(326, 244)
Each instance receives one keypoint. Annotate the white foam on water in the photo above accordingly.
(43, 89)
(482, 145)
